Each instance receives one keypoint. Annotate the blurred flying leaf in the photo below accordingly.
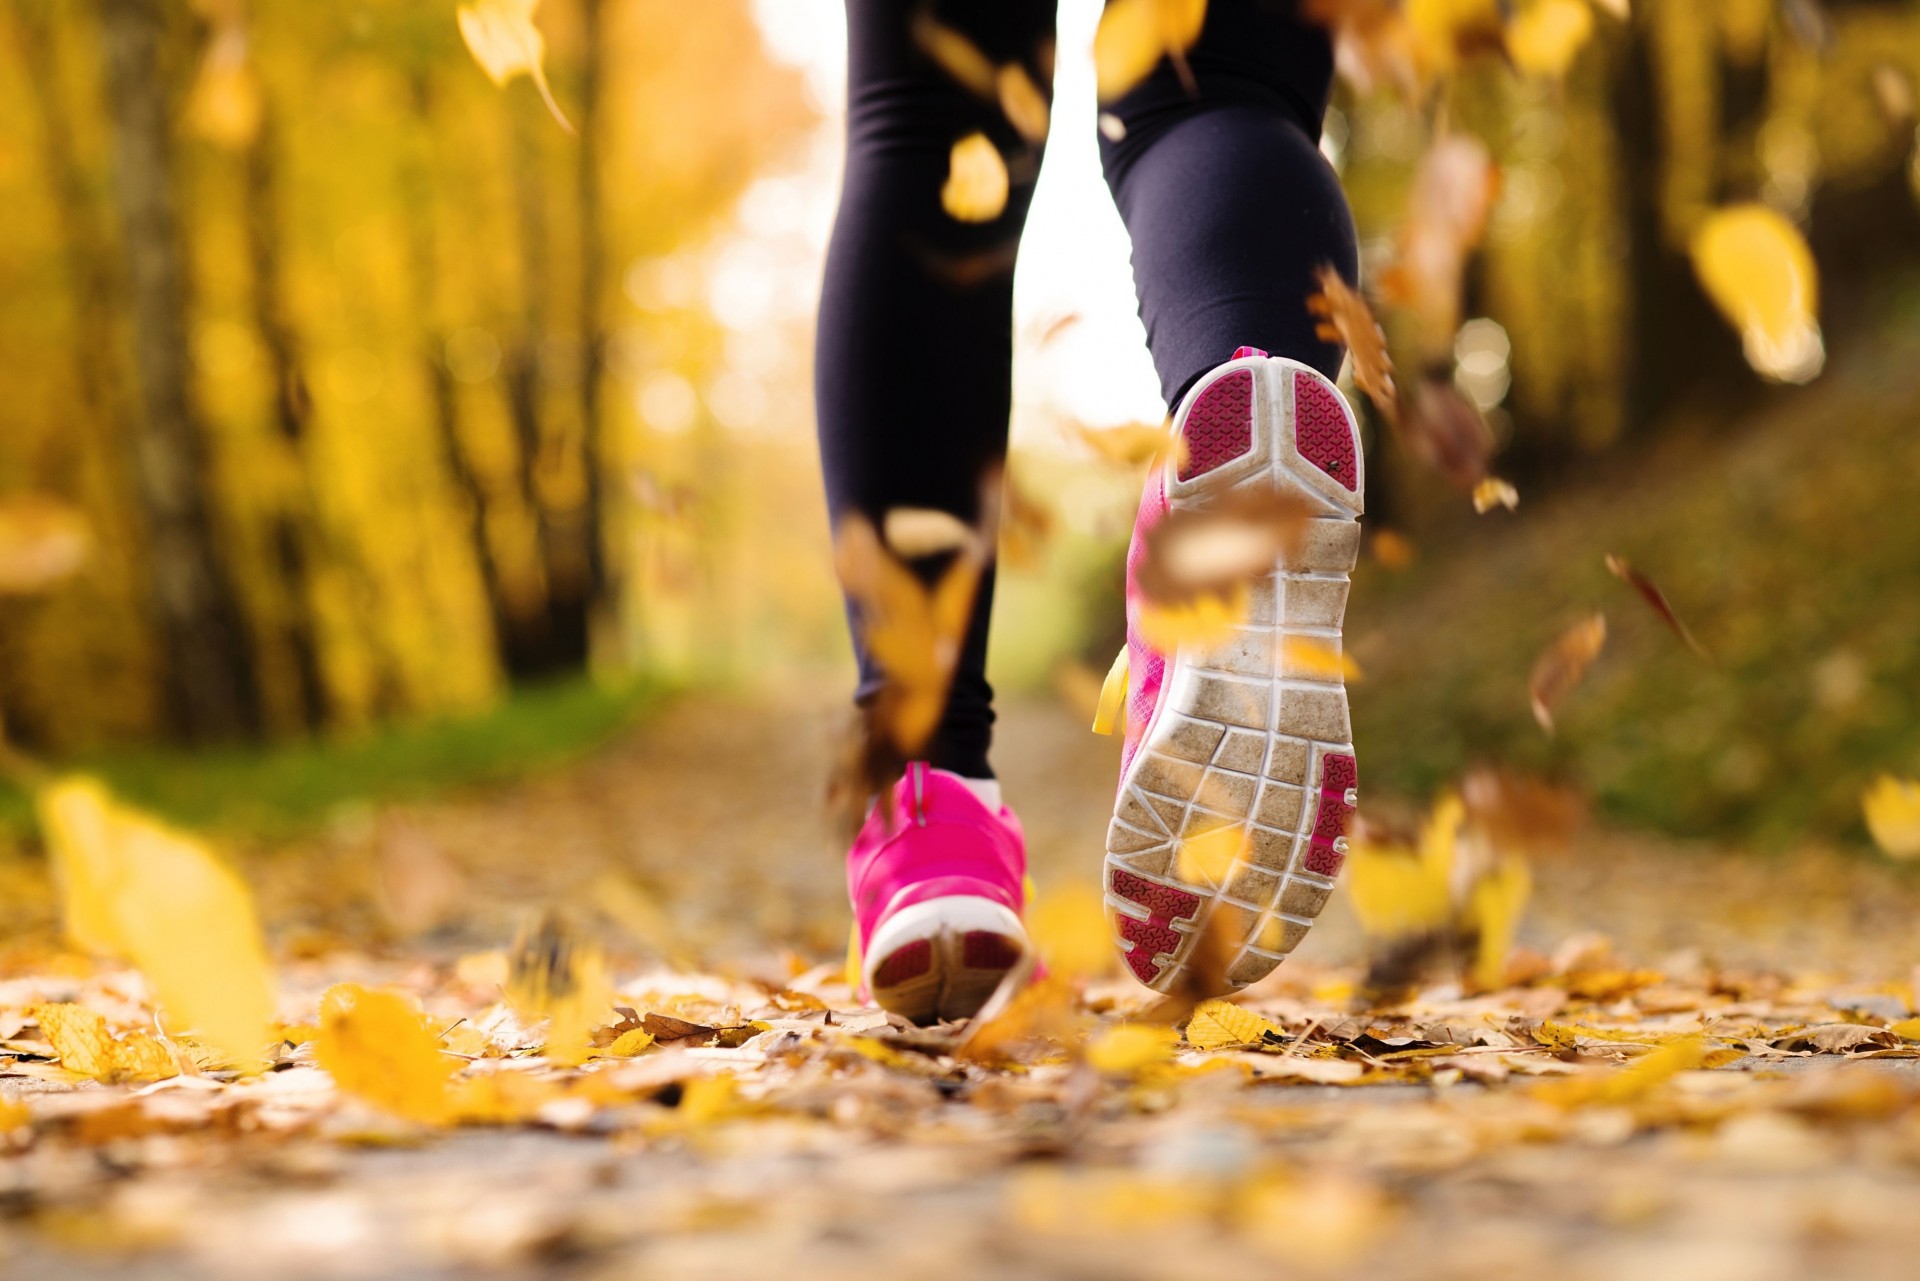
(1021, 100)
(1215, 551)
(85, 1046)
(1208, 858)
(1392, 550)
(1026, 526)
(1756, 267)
(914, 532)
(1520, 813)
(1135, 34)
(1893, 90)
(136, 888)
(1112, 127)
(1316, 659)
(42, 541)
(1544, 37)
(958, 56)
(1453, 192)
(225, 105)
(1627, 1084)
(503, 40)
(1892, 808)
(1134, 444)
(1345, 318)
(1445, 431)
(377, 1046)
(1202, 621)
(1494, 492)
(1128, 1049)
(1068, 926)
(1562, 664)
(1217, 1024)
(1039, 1014)
(976, 186)
(1655, 599)
(554, 973)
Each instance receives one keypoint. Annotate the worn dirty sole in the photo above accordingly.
(941, 959)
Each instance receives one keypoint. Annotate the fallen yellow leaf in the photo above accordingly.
(85, 1046)
(1217, 1024)
(1892, 807)
(1906, 1029)
(378, 1047)
(976, 186)
(629, 1043)
(1131, 1048)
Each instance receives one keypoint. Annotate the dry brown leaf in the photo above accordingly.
(1655, 599)
(1562, 664)
(1346, 319)
(1445, 431)
(1217, 551)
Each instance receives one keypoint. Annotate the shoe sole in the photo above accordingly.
(1244, 735)
(942, 958)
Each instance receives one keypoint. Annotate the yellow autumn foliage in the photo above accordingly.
(86, 1047)
(1217, 1024)
(976, 186)
(1758, 270)
(1892, 809)
(380, 1048)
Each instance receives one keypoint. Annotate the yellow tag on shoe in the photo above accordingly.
(1113, 693)
(854, 970)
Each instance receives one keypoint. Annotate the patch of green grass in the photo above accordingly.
(281, 789)
(1790, 544)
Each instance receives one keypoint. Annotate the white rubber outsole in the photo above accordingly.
(1245, 733)
(942, 958)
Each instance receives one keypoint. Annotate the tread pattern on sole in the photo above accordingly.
(1243, 737)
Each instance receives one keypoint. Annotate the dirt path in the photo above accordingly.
(1454, 1137)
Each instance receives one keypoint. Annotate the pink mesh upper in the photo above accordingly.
(1146, 667)
(942, 841)
(1320, 425)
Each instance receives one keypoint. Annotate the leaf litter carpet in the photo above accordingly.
(1700, 1064)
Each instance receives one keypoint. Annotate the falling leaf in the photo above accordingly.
(1345, 318)
(134, 887)
(225, 105)
(976, 186)
(1026, 526)
(1068, 926)
(1561, 665)
(377, 1046)
(1544, 38)
(85, 1046)
(42, 541)
(1132, 445)
(1112, 127)
(1494, 492)
(502, 38)
(1130, 1048)
(1453, 191)
(1393, 550)
(914, 532)
(1756, 267)
(1316, 659)
(1444, 430)
(1892, 808)
(1207, 858)
(1893, 90)
(555, 974)
(1655, 598)
(958, 56)
(1397, 891)
(1134, 35)
(1492, 917)
(1204, 620)
(1217, 1024)
(1215, 551)
(1021, 100)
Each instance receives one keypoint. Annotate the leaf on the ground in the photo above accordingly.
(555, 974)
(977, 184)
(502, 38)
(1544, 37)
(1022, 102)
(1445, 431)
(1655, 599)
(1630, 1083)
(1345, 318)
(42, 541)
(1837, 1038)
(629, 1043)
(1134, 35)
(665, 1027)
(1892, 809)
(1218, 1024)
(14, 1115)
(1494, 492)
(1327, 1223)
(1755, 266)
(1129, 1049)
(1453, 192)
(135, 887)
(379, 1047)
(500, 1098)
(86, 1047)
(1317, 659)
(1562, 664)
(1906, 1029)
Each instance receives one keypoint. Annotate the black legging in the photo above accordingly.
(1224, 192)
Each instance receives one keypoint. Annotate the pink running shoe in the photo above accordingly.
(1235, 734)
(937, 897)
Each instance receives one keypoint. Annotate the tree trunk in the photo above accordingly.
(207, 652)
(294, 530)
(593, 338)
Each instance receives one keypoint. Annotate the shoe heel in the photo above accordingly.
(941, 958)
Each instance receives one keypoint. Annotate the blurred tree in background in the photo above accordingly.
(317, 329)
